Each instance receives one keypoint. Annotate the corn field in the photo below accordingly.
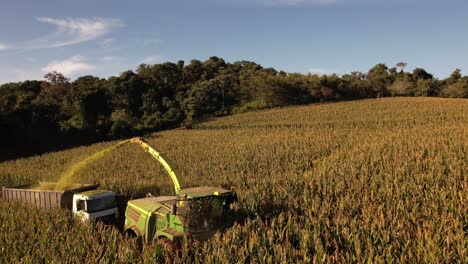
(376, 181)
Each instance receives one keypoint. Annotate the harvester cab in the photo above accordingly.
(196, 212)
(204, 208)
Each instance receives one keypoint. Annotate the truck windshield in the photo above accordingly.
(100, 204)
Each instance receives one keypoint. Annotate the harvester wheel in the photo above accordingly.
(131, 235)
(168, 245)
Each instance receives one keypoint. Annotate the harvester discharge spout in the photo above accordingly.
(164, 162)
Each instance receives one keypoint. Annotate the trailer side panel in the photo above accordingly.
(46, 199)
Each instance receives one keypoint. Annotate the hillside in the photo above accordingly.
(377, 180)
(57, 113)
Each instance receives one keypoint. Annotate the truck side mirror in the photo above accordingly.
(80, 205)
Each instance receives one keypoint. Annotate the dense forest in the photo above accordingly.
(39, 116)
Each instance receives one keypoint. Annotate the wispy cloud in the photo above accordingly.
(107, 42)
(297, 2)
(76, 30)
(69, 67)
(152, 59)
(152, 41)
(13, 74)
(111, 58)
(68, 31)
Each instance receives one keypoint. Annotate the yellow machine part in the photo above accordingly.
(166, 164)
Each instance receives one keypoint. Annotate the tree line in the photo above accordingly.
(38, 116)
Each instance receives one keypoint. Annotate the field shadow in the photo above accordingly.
(17, 146)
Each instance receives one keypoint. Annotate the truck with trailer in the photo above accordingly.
(195, 212)
(84, 200)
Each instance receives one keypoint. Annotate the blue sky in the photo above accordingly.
(106, 37)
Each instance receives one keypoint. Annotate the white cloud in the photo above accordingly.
(111, 58)
(152, 59)
(320, 71)
(69, 67)
(298, 2)
(69, 31)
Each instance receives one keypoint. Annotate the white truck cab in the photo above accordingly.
(94, 204)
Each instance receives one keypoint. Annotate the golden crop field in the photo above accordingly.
(380, 180)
